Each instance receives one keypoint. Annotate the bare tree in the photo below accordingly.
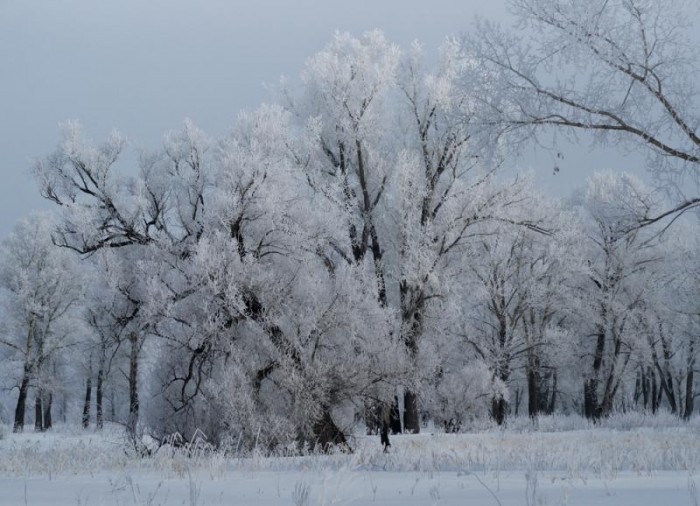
(623, 70)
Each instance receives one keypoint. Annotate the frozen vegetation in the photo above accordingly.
(629, 459)
(350, 256)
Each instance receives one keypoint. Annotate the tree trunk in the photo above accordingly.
(86, 404)
(499, 409)
(553, 398)
(412, 307)
(133, 385)
(689, 398)
(689, 404)
(384, 425)
(615, 372)
(533, 389)
(590, 399)
(48, 404)
(411, 417)
(99, 395)
(38, 413)
(384, 435)
(637, 387)
(394, 416)
(591, 408)
(21, 403)
(655, 394)
(646, 388)
(112, 405)
(327, 435)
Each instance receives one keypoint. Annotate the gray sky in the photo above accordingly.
(142, 67)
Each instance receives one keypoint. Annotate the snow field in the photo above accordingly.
(640, 466)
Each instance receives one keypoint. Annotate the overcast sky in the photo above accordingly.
(142, 67)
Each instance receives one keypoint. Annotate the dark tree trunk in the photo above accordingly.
(690, 382)
(615, 371)
(655, 394)
(590, 399)
(384, 435)
(48, 404)
(591, 408)
(86, 403)
(645, 387)
(394, 417)
(112, 405)
(327, 435)
(38, 413)
(99, 396)
(689, 396)
(637, 387)
(533, 390)
(384, 427)
(606, 406)
(133, 385)
(499, 409)
(412, 306)
(378, 421)
(411, 417)
(553, 398)
(667, 388)
(21, 407)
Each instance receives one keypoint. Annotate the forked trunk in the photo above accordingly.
(499, 410)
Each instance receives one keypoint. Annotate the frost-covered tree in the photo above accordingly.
(41, 290)
(353, 244)
(621, 262)
(623, 70)
(392, 154)
(219, 252)
(673, 348)
(441, 194)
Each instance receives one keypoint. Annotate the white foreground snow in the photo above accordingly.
(638, 467)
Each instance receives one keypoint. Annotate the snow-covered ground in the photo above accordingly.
(590, 466)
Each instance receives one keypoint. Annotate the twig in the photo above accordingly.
(487, 488)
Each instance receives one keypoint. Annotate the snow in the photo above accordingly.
(640, 466)
(348, 487)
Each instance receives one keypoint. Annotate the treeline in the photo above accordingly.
(345, 254)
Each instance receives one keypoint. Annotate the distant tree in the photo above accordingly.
(109, 316)
(100, 211)
(41, 290)
(677, 354)
(622, 262)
